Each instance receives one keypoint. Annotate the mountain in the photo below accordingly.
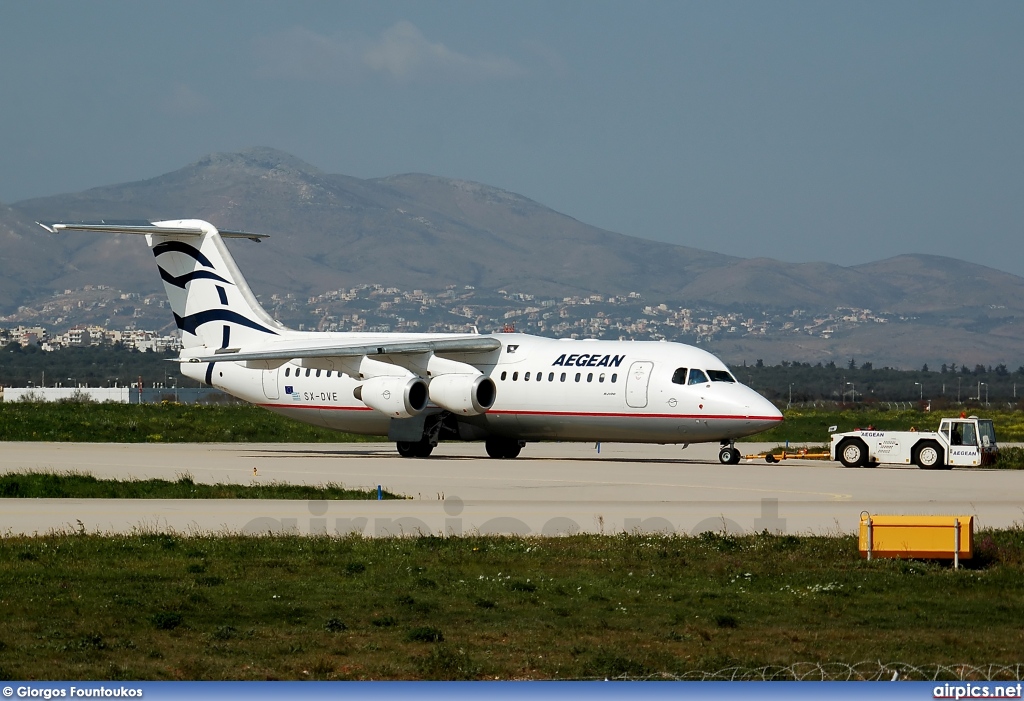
(409, 230)
(26, 259)
(419, 231)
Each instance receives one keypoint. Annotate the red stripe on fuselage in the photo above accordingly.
(315, 406)
(634, 416)
(613, 415)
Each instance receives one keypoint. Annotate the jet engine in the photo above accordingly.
(463, 394)
(400, 397)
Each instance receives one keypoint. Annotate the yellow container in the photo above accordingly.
(917, 536)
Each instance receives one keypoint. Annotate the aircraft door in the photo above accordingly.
(270, 386)
(636, 383)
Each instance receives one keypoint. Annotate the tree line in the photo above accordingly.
(92, 366)
(852, 382)
(788, 382)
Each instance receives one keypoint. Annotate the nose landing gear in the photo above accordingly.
(729, 455)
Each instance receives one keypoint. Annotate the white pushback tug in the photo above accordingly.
(965, 441)
(419, 389)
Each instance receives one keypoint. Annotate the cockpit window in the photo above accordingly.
(720, 376)
(679, 376)
(697, 377)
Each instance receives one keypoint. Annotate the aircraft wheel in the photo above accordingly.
(852, 452)
(929, 456)
(502, 448)
(729, 456)
(417, 449)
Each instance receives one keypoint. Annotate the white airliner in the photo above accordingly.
(418, 389)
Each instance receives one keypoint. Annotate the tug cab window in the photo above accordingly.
(987, 432)
(679, 376)
(963, 434)
(697, 377)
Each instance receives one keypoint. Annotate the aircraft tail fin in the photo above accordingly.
(211, 301)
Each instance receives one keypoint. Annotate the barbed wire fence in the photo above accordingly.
(839, 671)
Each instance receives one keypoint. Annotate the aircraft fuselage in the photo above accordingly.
(546, 389)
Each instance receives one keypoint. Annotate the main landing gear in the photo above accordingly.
(418, 449)
(728, 455)
(503, 448)
(497, 448)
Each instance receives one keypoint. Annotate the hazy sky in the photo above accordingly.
(837, 131)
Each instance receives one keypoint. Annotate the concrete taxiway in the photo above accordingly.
(552, 488)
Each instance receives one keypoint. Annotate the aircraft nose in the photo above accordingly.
(761, 410)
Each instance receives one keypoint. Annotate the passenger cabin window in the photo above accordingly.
(600, 377)
(307, 372)
(562, 378)
(697, 377)
(577, 377)
(515, 376)
(615, 377)
(551, 377)
(503, 375)
(318, 373)
(526, 377)
(287, 372)
(720, 376)
(679, 376)
(590, 377)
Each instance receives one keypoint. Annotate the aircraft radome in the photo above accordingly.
(505, 389)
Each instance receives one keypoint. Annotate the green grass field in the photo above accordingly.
(811, 425)
(73, 485)
(175, 423)
(170, 607)
(157, 423)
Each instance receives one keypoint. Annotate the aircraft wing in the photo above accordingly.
(467, 344)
